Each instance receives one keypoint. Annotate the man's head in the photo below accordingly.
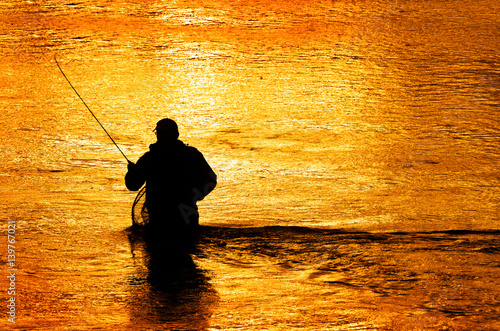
(166, 129)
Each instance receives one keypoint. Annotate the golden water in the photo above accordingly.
(356, 145)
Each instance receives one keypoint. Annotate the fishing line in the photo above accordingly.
(90, 110)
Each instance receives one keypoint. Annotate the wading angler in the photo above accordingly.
(177, 176)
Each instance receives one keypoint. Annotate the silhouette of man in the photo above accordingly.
(176, 177)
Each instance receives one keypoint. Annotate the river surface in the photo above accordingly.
(356, 144)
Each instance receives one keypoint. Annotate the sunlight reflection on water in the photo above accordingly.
(375, 121)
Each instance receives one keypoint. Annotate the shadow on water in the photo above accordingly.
(168, 289)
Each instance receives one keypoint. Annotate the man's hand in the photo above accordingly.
(134, 179)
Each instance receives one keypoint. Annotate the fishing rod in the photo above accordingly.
(90, 110)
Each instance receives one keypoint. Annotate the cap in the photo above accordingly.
(167, 125)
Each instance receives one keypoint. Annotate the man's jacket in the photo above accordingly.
(176, 177)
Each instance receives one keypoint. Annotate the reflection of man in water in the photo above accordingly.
(176, 176)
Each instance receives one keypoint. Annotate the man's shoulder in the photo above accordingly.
(144, 158)
(191, 149)
(179, 149)
(185, 148)
(193, 155)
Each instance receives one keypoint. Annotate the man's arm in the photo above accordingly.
(206, 177)
(134, 179)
